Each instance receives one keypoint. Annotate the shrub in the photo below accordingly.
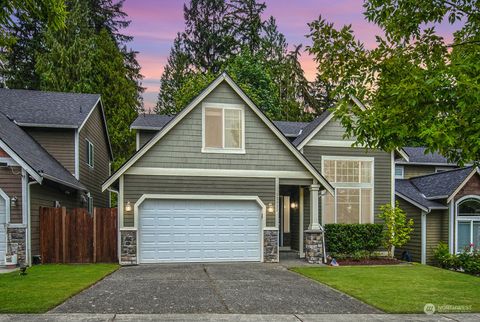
(354, 240)
(398, 228)
(467, 261)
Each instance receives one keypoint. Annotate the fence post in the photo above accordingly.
(64, 232)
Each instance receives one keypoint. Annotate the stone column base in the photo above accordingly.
(16, 246)
(314, 246)
(128, 247)
(270, 245)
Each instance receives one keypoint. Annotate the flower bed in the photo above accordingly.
(468, 261)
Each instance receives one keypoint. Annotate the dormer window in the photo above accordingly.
(223, 128)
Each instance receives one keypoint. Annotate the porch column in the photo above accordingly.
(314, 222)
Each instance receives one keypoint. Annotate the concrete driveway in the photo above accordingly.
(210, 288)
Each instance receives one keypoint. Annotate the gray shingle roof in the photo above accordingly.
(311, 127)
(157, 122)
(35, 155)
(441, 184)
(417, 155)
(429, 190)
(53, 109)
(290, 129)
(150, 122)
(405, 188)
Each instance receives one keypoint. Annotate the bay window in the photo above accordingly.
(468, 224)
(352, 179)
(223, 128)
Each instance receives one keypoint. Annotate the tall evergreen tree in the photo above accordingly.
(208, 36)
(82, 59)
(247, 22)
(173, 78)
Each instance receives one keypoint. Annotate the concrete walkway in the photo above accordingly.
(241, 317)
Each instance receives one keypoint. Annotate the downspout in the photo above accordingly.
(424, 237)
(29, 231)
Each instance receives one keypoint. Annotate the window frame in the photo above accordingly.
(400, 176)
(351, 185)
(465, 219)
(90, 152)
(224, 107)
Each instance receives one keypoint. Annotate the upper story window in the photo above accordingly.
(90, 154)
(223, 128)
(353, 180)
(399, 172)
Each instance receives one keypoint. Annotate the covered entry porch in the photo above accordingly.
(297, 220)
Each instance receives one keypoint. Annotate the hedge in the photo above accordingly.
(353, 238)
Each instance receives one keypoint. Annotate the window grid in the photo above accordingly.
(231, 129)
(353, 182)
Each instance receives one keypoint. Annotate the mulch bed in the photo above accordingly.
(371, 261)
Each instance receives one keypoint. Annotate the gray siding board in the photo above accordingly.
(333, 130)
(135, 186)
(60, 143)
(382, 169)
(11, 184)
(181, 147)
(437, 231)
(144, 136)
(414, 245)
(44, 196)
(410, 171)
(94, 131)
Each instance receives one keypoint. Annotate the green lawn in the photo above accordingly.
(46, 286)
(402, 288)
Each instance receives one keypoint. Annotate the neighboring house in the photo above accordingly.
(442, 199)
(54, 151)
(418, 163)
(221, 182)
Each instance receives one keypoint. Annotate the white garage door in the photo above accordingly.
(3, 237)
(199, 231)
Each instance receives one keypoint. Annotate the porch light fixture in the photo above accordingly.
(323, 192)
(293, 205)
(128, 206)
(13, 201)
(270, 208)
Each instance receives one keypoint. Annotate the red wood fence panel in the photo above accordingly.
(78, 237)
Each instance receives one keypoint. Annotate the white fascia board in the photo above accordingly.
(22, 163)
(190, 107)
(314, 132)
(475, 170)
(416, 204)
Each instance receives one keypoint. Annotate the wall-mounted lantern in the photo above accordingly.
(128, 206)
(294, 205)
(270, 208)
(13, 201)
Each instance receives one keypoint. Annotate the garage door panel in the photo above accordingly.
(199, 231)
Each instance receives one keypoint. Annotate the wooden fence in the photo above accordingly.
(74, 236)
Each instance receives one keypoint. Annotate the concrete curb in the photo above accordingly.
(238, 317)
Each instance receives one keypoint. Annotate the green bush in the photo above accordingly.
(353, 240)
(467, 261)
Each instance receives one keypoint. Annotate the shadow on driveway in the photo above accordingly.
(249, 288)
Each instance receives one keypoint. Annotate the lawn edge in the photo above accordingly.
(79, 291)
(380, 311)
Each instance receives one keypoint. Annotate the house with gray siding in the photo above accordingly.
(443, 200)
(219, 181)
(54, 152)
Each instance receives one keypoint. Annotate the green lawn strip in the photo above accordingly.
(400, 288)
(46, 286)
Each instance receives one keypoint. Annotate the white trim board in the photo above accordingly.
(475, 170)
(191, 106)
(333, 143)
(4, 196)
(193, 172)
(19, 160)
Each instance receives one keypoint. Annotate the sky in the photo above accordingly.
(155, 24)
